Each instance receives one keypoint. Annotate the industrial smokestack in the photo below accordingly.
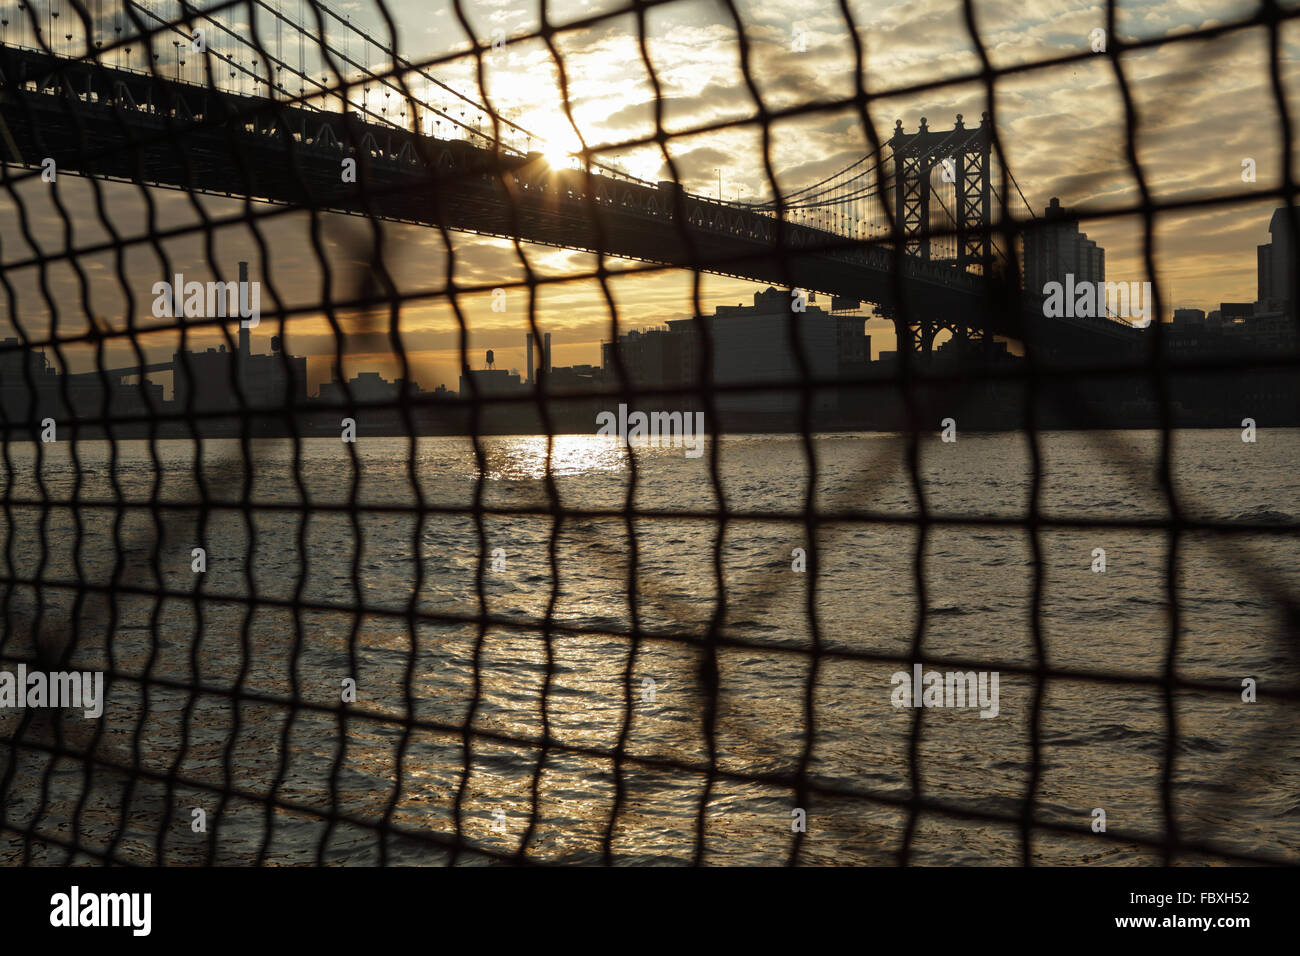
(546, 354)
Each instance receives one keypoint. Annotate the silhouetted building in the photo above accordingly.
(41, 392)
(24, 396)
(218, 380)
(852, 344)
(1189, 318)
(273, 380)
(1054, 248)
(1276, 264)
(489, 381)
(651, 357)
(1234, 328)
(574, 378)
(753, 345)
(367, 388)
(1229, 312)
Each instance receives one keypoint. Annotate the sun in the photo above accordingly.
(556, 157)
(558, 144)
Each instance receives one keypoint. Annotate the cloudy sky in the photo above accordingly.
(1205, 106)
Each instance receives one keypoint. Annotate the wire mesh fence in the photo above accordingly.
(388, 625)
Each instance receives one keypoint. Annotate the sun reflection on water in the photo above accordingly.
(515, 457)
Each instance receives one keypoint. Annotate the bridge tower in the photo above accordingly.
(916, 155)
(962, 155)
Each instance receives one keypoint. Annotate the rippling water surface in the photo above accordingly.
(423, 665)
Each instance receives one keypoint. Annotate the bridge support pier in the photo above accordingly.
(961, 335)
(919, 336)
(982, 343)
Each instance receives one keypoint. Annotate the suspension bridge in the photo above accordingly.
(323, 115)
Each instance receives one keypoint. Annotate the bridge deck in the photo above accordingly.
(96, 120)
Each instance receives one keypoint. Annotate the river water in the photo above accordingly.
(165, 754)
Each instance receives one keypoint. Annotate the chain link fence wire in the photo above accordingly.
(623, 689)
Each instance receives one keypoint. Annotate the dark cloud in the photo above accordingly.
(697, 163)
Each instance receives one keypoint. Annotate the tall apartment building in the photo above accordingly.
(1054, 248)
(1276, 264)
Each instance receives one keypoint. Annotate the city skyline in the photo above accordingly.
(1059, 132)
(749, 345)
(262, 341)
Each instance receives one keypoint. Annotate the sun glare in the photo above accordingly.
(556, 157)
(558, 142)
